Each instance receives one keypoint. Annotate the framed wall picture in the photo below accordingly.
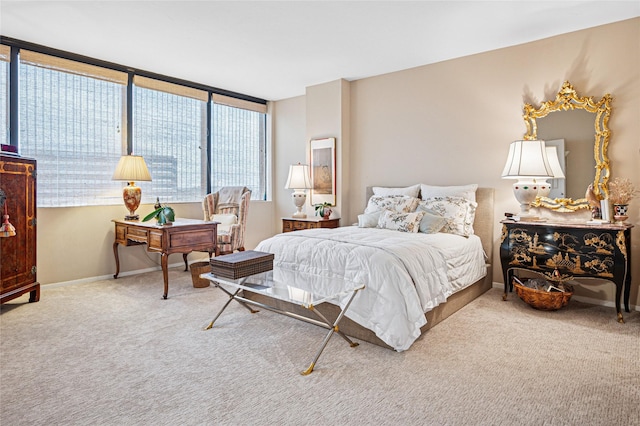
(323, 171)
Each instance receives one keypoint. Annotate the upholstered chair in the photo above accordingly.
(229, 206)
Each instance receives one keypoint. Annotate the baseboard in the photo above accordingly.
(589, 300)
(110, 276)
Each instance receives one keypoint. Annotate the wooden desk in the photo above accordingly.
(573, 250)
(183, 236)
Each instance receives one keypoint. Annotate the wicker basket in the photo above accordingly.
(544, 300)
(198, 268)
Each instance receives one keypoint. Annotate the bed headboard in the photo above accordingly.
(483, 224)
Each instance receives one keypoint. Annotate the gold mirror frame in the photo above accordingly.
(568, 99)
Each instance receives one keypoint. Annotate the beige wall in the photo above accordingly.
(452, 122)
(289, 147)
(76, 244)
(328, 116)
(447, 123)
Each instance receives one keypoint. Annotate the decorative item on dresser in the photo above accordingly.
(132, 168)
(323, 210)
(562, 251)
(298, 180)
(18, 251)
(164, 215)
(296, 224)
(621, 191)
(527, 161)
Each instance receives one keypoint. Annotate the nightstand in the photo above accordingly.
(295, 224)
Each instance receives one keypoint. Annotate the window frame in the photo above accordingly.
(246, 100)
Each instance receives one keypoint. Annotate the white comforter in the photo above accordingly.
(405, 274)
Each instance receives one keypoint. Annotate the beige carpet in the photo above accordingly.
(113, 353)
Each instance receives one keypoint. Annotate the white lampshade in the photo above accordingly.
(298, 177)
(527, 161)
(131, 168)
(299, 181)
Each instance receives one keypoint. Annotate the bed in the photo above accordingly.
(413, 280)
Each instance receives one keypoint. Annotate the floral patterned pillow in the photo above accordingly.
(458, 212)
(397, 203)
(403, 222)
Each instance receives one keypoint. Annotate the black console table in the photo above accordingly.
(562, 251)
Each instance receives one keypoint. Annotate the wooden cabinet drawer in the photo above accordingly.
(287, 226)
(137, 234)
(291, 224)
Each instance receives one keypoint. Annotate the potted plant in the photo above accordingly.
(323, 210)
(164, 215)
(621, 191)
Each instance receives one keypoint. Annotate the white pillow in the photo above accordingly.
(403, 222)
(458, 212)
(431, 222)
(369, 220)
(411, 191)
(399, 203)
(464, 191)
(226, 220)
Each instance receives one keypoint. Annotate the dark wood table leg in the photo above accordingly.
(34, 295)
(115, 254)
(186, 265)
(164, 260)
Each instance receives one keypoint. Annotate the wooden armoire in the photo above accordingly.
(18, 252)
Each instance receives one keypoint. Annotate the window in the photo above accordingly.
(72, 113)
(170, 132)
(71, 121)
(238, 146)
(5, 57)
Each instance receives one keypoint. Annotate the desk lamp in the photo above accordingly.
(131, 168)
(298, 180)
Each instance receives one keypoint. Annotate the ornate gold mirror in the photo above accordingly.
(583, 153)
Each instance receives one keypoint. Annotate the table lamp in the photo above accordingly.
(132, 168)
(527, 161)
(298, 180)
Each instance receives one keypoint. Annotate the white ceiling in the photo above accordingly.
(274, 50)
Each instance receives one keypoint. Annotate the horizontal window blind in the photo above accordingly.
(171, 88)
(239, 103)
(169, 131)
(5, 53)
(72, 67)
(238, 149)
(71, 121)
